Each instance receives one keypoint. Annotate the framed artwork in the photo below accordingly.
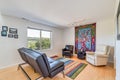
(3, 33)
(85, 37)
(4, 28)
(13, 30)
(16, 36)
(10, 35)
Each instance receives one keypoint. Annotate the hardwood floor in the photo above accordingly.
(89, 73)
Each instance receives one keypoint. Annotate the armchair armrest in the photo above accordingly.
(56, 64)
(101, 55)
(90, 53)
(63, 49)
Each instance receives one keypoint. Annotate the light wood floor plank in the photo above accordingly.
(89, 73)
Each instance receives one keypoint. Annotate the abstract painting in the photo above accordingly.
(85, 37)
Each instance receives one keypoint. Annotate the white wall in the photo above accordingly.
(104, 33)
(8, 46)
(69, 36)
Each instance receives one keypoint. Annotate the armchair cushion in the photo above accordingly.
(54, 65)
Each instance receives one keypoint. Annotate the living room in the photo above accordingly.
(55, 19)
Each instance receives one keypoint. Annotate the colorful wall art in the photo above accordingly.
(85, 37)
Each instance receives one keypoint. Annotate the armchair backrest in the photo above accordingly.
(69, 47)
(38, 61)
(102, 49)
(108, 50)
(21, 52)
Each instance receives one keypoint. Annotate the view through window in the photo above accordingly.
(38, 39)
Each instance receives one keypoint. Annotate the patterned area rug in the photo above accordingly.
(72, 68)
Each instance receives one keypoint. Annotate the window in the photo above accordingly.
(38, 39)
(45, 39)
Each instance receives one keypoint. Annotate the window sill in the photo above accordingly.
(45, 50)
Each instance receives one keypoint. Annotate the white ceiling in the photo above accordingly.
(59, 13)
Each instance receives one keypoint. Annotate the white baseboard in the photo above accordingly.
(3, 67)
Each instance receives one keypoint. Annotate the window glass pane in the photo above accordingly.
(45, 39)
(33, 39)
(33, 33)
(45, 34)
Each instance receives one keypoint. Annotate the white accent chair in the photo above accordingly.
(100, 56)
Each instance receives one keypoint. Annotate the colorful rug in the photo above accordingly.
(72, 68)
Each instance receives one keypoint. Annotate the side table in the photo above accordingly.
(81, 55)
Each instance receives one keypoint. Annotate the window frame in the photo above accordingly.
(118, 22)
(40, 37)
